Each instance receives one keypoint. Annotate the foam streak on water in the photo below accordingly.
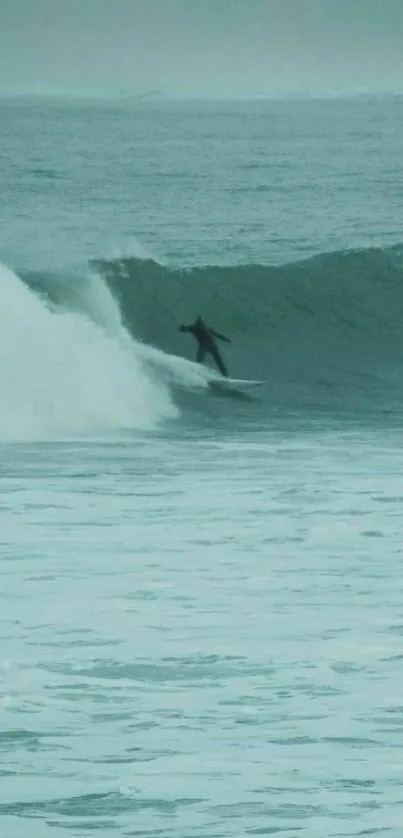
(203, 638)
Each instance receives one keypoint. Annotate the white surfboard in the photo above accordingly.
(234, 384)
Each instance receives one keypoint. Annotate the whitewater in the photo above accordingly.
(200, 596)
(70, 372)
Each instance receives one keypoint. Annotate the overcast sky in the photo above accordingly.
(202, 47)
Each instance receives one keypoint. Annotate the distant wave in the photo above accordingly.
(326, 330)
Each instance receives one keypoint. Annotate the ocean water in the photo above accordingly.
(201, 621)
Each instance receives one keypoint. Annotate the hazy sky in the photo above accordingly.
(202, 47)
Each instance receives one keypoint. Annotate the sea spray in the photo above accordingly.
(61, 373)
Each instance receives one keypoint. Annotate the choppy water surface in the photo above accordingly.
(203, 634)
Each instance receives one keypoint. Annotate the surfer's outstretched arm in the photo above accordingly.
(219, 336)
(183, 328)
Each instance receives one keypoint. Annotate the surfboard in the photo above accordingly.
(234, 384)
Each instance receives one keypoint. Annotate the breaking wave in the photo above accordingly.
(64, 372)
(324, 332)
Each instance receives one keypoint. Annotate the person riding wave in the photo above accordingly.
(205, 337)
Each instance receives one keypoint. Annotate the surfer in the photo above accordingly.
(206, 343)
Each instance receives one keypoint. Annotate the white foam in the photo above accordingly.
(174, 369)
(101, 306)
(62, 374)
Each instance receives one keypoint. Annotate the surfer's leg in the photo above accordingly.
(201, 354)
(219, 361)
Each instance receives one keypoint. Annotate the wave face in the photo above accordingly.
(324, 330)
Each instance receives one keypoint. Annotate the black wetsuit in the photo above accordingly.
(206, 343)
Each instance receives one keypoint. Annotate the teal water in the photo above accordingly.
(200, 598)
(198, 183)
(203, 637)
